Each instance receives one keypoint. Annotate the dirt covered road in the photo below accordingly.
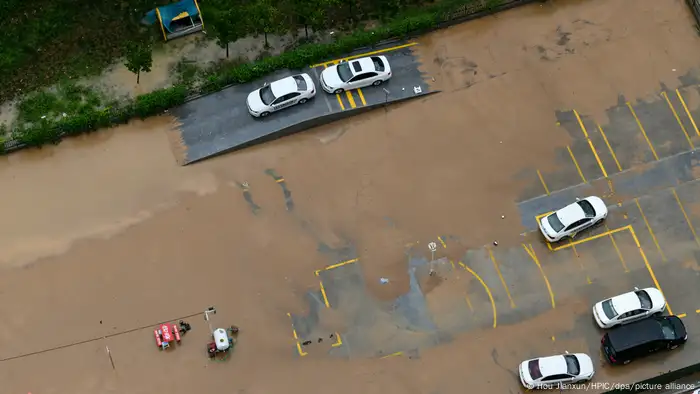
(105, 233)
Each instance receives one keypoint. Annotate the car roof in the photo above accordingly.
(365, 64)
(570, 214)
(634, 334)
(626, 302)
(552, 365)
(284, 86)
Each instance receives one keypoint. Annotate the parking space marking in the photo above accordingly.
(392, 355)
(488, 291)
(644, 133)
(685, 215)
(590, 143)
(296, 337)
(500, 275)
(533, 256)
(651, 232)
(678, 119)
(340, 102)
(591, 238)
(697, 311)
(410, 44)
(342, 263)
(338, 341)
(685, 107)
(351, 100)
(578, 168)
(442, 242)
(612, 152)
(323, 293)
(617, 250)
(362, 96)
(681, 315)
(546, 189)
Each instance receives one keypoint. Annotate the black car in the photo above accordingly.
(635, 340)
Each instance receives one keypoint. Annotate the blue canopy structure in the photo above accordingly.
(177, 19)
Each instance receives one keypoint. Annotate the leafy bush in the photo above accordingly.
(48, 131)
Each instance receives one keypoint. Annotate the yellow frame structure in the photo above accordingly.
(165, 37)
(200, 13)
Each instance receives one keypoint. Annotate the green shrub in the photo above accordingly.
(87, 118)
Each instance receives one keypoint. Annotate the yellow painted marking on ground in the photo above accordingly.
(296, 337)
(279, 180)
(500, 275)
(469, 303)
(362, 96)
(453, 264)
(442, 242)
(697, 311)
(342, 106)
(678, 119)
(410, 44)
(393, 355)
(646, 263)
(590, 143)
(576, 164)
(644, 133)
(606, 233)
(612, 152)
(330, 267)
(682, 315)
(488, 291)
(339, 342)
(685, 215)
(610, 186)
(533, 256)
(546, 189)
(553, 338)
(323, 293)
(617, 250)
(690, 116)
(351, 100)
(651, 232)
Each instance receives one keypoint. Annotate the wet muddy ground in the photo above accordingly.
(105, 233)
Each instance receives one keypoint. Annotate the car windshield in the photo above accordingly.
(572, 365)
(344, 71)
(266, 95)
(644, 299)
(378, 64)
(301, 83)
(554, 221)
(587, 208)
(534, 367)
(609, 310)
(667, 329)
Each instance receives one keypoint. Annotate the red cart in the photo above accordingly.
(166, 334)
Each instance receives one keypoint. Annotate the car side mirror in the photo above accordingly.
(578, 199)
(636, 288)
(566, 351)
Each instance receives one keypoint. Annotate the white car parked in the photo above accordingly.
(358, 73)
(629, 307)
(295, 89)
(571, 219)
(549, 372)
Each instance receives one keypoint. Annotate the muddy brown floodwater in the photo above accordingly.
(105, 232)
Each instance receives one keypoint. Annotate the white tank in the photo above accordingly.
(221, 339)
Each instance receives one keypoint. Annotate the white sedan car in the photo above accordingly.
(549, 372)
(571, 219)
(295, 89)
(358, 73)
(626, 308)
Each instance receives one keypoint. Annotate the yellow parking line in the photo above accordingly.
(410, 44)
(678, 119)
(342, 263)
(685, 107)
(685, 215)
(469, 303)
(644, 133)
(697, 311)
(681, 315)
(546, 189)
(500, 275)
(576, 164)
(590, 143)
(296, 337)
(617, 250)
(442, 242)
(342, 107)
(323, 293)
(612, 152)
(646, 263)
(362, 96)
(653, 237)
(488, 291)
(351, 100)
(533, 256)
(604, 234)
(393, 355)
(339, 342)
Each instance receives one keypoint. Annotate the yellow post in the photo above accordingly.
(165, 37)
(200, 13)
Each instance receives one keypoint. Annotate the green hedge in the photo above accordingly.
(51, 131)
